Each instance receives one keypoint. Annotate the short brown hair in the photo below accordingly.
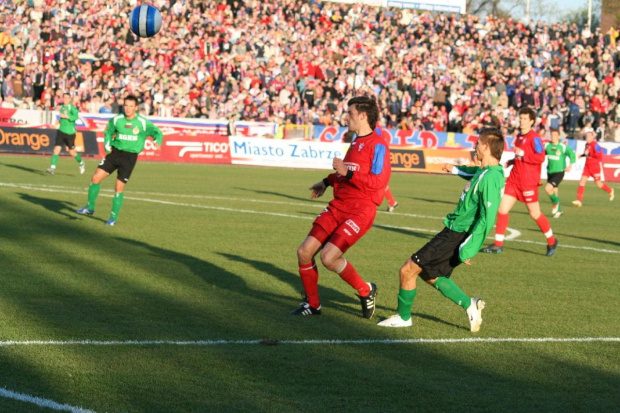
(528, 111)
(366, 105)
(494, 138)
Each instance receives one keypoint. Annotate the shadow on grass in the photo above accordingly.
(66, 209)
(329, 296)
(25, 169)
(277, 194)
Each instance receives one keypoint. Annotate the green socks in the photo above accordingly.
(78, 158)
(117, 203)
(54, 161)
(93, 193)
(451, 291)
(405, 302)
(554, 199)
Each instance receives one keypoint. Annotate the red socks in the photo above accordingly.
(545, 227)
(389, 196)
(580, 190)
(350, 275)
(500, 229)
(310, 280)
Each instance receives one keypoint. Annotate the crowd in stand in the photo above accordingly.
(297, 62)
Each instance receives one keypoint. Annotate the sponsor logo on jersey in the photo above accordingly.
(136, 131)
(123, 137)
(361, 147)
(353, 225)
(352, 166)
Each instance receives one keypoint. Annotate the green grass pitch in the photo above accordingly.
(165, 311)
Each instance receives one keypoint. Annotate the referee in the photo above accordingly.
(66, 135)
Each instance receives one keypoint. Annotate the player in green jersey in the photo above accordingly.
(465, 231)
(66, 134)
(125, 137)
(556, 166)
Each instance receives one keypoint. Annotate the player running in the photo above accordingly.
(522, 184)
(124, 139)
(594, 156)
(359, 184)
(556, 166)
(66, 135)
(463, 235)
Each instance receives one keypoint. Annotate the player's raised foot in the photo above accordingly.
(493, 249)
(395, 321)
(611, 194)
(558, 214)
(391, 208)
(306, 309)
(368, 302)
(82, 168)
(85, 211)
(474, 313)
(551, 248)
(111, 222)
(577, 203)
(51, 171)
(555, 209)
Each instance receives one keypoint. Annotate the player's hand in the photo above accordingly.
(339, 166)
(509, 163)
(317, 189)
(447, 167)
(519, 152)
(568, 168)
(156, 146)
(108, 148)
(467, 261)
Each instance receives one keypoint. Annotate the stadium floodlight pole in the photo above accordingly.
(590, 14)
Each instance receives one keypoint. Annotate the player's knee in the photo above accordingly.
(409, 271)
(304, 255)
(328, 260)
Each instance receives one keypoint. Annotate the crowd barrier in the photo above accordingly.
(207, 141)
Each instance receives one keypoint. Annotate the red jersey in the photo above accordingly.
(526, 170)
(595, 155)
(368, 158)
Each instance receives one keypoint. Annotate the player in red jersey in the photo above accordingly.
(594, 156)
(359, 185)
(523, 182)
(392, 202)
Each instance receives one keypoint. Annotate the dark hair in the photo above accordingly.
(494, 138)
(551, 130)
(133, 98)
(528, 111)
(366, 105)
(67, 94)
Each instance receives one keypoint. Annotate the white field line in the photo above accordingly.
(512, 235)
(50, 404)
(202, 343)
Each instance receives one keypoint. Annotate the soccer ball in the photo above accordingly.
(145, 20)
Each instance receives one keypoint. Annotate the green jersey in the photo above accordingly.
(556, 157)
(130, 135)
(476, 211)
(68, 125)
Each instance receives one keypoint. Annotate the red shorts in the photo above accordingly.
(593, 170)
(343, 224)
(525, 195)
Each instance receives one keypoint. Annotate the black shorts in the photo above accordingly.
(65, 139)
(121, 160)
(555, 179)
(440, 255)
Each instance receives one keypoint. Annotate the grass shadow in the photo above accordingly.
(66, 209)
